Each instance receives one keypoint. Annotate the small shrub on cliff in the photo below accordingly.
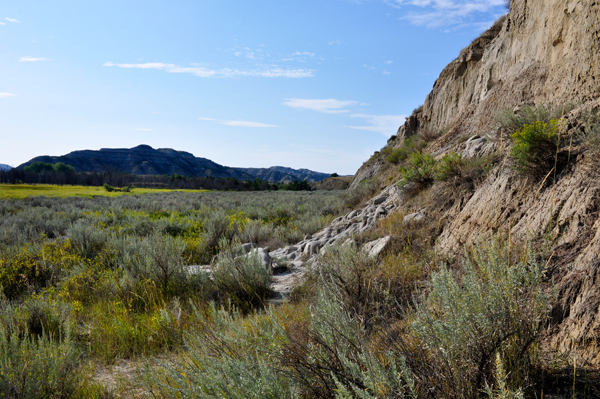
(535, 147)
(527, 114)
(411, 145)
(420, 170)
(460, 173)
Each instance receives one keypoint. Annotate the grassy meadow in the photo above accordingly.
(16, 191)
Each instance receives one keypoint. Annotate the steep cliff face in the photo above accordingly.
(542, 52)
(545, 52)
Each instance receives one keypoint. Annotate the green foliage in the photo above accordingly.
(502, 390)
(535, 147)
(331, 349)
(224, 360)
(409, 146)
(420, 170)
(63, 168)
(296, 185)
(39, 167)
(30, 268)
(334, 175)
(462, 173)
(448, 166)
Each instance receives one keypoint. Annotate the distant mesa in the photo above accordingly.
(4, 166)
(145, 160)
(281, 174)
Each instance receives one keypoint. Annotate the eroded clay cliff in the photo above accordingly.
(542, 52)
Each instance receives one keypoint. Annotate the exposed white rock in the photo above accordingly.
(374, 248)
(415, 217)
(247, 247)
(262, 255)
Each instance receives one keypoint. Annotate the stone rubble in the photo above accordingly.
(339, 232)
(289, 263)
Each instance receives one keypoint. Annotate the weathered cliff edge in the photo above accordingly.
(543, 52)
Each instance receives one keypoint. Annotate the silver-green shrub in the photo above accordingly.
(497, 307)
(240, 277)
(36, 366)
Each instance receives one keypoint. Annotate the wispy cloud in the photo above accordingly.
(237, 123)
(439, 13)
(12, 20)
(2, 23)
(304, 53)
(3, 95)
(268, 72)
(385, 124)
(33, 59)
(328, 106)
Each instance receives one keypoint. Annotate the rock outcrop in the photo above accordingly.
(542, 52)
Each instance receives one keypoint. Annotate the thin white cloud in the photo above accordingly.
(142, 129)
(386, 72)
(2, 23)
(439, 13)
(338, 42)
(237, 123)
(304, 53)
(268, 72)
(385, 124)
(33, 59)
(12, 20)
(389, 62)
(246, 124)
(3, 95)
(328, 106)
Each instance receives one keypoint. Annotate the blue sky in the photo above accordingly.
(317, 84)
